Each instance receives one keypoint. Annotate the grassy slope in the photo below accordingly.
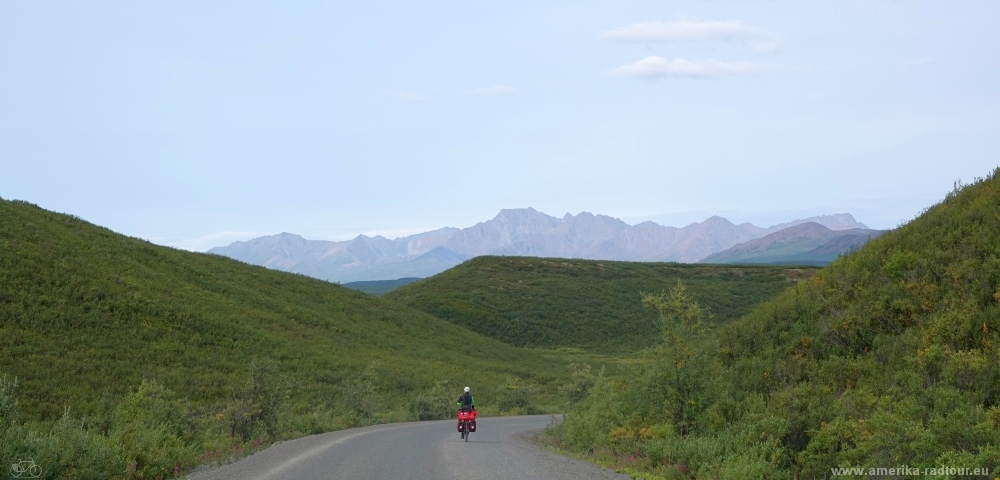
(582, 303)
(890, 356)
(86, 313)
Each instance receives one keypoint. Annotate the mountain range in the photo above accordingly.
(808, 243)
(523, 231)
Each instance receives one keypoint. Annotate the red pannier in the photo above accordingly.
(469, 415)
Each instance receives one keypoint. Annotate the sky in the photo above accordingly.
(195, 124)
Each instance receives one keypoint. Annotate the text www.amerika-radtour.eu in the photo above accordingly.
(911, 471)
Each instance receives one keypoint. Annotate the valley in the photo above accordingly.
(120, 355)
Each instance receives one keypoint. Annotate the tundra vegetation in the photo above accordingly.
(890, 356)
(593, 305)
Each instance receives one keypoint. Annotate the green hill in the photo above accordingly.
(888, 357)
(540, 302)
(87, 316)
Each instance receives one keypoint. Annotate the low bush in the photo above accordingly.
(436, 404)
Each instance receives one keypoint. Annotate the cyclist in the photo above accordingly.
(467, 404)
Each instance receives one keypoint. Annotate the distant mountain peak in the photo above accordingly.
(519, 211)
(806, 226)
(715, 219)
(837, 221)
(513, 231)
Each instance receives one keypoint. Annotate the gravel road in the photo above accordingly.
(417, 450)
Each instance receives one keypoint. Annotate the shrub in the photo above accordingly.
(514, 396)
(583, 381)
(435, 404)
(361, 393)
(255, 407)
(8, 403)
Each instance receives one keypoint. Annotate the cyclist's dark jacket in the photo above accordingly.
(466, 400)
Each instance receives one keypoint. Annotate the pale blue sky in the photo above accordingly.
(194, 124)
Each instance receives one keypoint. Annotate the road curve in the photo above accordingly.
(416, 450)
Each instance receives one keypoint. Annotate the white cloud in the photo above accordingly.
(658, 67)
(494, 91)
(689, 30)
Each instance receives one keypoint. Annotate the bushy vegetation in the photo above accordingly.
(150, 433)
(889, 357)
(547, 302)
(122, 358)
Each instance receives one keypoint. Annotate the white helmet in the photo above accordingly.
(466, 389)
